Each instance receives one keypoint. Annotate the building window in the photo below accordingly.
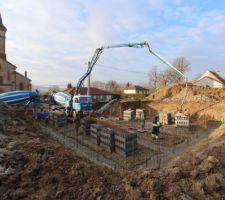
(21, 86)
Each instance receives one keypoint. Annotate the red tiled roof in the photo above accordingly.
(93, 91)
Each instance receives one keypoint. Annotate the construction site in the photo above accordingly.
(109, 155)
(169, 143)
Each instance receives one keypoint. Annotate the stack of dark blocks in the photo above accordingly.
(125, 143)
(107, 139)
(57, 119)
(95, 133)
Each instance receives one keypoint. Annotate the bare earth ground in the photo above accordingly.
(33, 166)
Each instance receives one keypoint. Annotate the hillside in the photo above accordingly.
(194, 94)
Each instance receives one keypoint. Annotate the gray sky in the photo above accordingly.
(53, 39)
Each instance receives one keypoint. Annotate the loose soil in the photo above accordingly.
(33, 166)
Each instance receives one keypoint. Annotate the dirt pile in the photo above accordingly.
(33, 166)
(195, 93)
(200, 174)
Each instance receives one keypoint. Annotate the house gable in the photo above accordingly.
(210, 79)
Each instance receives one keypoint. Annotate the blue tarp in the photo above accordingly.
(42, 115)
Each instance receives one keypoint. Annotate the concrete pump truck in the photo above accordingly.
(78, 105)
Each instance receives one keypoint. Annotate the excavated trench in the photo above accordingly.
(150, 154)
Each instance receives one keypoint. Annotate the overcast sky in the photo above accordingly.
(54, 39)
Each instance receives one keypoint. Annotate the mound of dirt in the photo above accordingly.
(33, 166)
(195, 93)
(198, 174)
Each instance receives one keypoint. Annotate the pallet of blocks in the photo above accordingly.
(95, 133)
(125, 143)
(139, 112)
(182, 120)
(57, 118)
(128, 115)
(107, 139)
(165, 118)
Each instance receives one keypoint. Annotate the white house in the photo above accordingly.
(136, 90)
(210, 79)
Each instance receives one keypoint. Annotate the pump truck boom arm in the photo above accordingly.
(96, 56)
(98, 52)
(163, 59)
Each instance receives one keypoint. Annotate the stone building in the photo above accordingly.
(10, 79)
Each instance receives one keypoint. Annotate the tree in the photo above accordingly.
(163, 78)
(98, 84)
(69, 85)
(182, 65)
(127, 85)
(153, 77)
(113, 86)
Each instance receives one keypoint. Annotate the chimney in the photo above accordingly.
(25, 74)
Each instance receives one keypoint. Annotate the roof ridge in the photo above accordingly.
(218, 77)
(215, 77)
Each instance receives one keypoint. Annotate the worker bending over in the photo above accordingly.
(155, 128)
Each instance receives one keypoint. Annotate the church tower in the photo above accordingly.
(2, 39)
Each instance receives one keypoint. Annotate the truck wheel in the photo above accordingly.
(74, 114)
(80, 114)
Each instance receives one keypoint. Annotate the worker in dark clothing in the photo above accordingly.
(155, 128)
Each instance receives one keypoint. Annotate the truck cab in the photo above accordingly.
(82, 103)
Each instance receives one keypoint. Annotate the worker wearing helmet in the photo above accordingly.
(155, 128)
